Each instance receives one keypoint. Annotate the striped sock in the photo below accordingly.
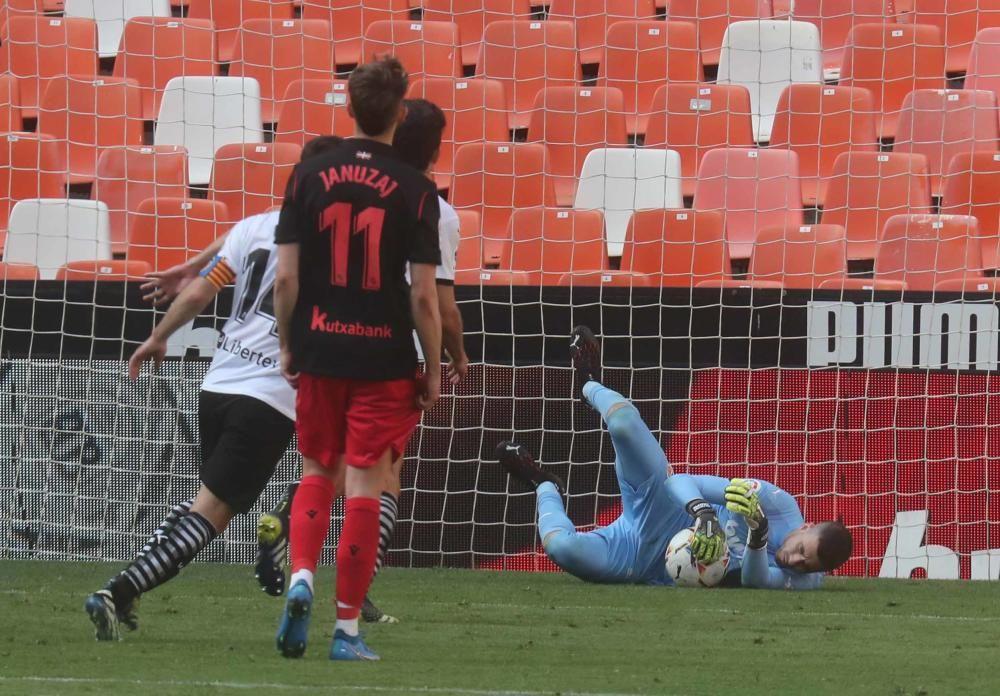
(388, 509)
(165, 558)
(176, 512)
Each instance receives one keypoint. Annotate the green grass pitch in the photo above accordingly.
(211, 631)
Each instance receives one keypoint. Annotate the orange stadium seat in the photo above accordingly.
(31, 166)
(311, 108)
(593, 18)
(554, 241)
(642, 56)
(470, 247)
(924, 250)
(680, 248)
(426, 49)
(18, 271)
(497, 179)
(939, 124)
(169, 231)
(227, 16)
(15, 8)
(10, 105)
(971, 183)
(867, 188)
(570, 122)
(754, 188)
(126, 176)
(819, 122)
(713, 17)
(959, 21)
(350, 19)
(527, 57)
(696, 118)
(984, 62)
(36, 49)
(104, 269)
(249, 178)
(475, 111)
(472, 16)
(835, 19)
(156, 49)
(86, 115)
(892, 60)
(799, 257)
(276, 52)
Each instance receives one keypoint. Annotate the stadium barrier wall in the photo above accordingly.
(880, 410)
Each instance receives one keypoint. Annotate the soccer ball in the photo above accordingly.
(685, 570)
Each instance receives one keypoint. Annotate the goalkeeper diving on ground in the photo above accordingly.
(769, 544)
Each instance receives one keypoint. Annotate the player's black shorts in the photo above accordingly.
(242, 441)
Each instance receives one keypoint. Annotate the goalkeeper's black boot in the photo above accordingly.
(372, 614)
(103, 613)
(585, 352)
(272, 542)
(521, 464)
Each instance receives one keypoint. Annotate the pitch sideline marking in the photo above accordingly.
(299, 687)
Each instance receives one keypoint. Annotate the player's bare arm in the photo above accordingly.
(451, 333)
(286, 294)
(189, 304)
(162, 287)
(427, 321)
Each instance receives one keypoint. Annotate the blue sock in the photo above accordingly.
(551, 513)
(601, 398)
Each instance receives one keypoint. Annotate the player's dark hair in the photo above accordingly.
(320, 145)
(835, 544)
(377, 90)
(418, 138)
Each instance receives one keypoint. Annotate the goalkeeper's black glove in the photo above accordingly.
(708, 542)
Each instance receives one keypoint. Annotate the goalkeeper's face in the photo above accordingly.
(800, 550)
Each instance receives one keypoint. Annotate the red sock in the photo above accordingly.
(356, 555)
(310, 521)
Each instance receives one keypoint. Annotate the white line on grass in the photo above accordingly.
(300, 687)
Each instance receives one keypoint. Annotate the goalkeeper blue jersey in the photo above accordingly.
(637, 540)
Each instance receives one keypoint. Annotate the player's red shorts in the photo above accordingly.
(357, 418)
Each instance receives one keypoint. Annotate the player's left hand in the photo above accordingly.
(154, 349)
(288, 370)
(457, 367)
(162, 287)
(708, 541)
(742, 498)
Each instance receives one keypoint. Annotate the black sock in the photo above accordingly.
(388, 509)
(165, 558)
(176, 513)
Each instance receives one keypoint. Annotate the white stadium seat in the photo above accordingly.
(765, 56)
(205, 113)
(619, 181)
(50, 232)
(111, 16)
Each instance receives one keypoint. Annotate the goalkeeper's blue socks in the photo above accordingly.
(602, 398)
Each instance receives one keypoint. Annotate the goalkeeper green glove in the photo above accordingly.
(742, 498)
(708, 541)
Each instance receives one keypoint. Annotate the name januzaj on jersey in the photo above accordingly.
(359, 174)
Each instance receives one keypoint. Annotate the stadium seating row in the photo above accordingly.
(82, 118)
(688, 249)
(677, 248)
(756, 188)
